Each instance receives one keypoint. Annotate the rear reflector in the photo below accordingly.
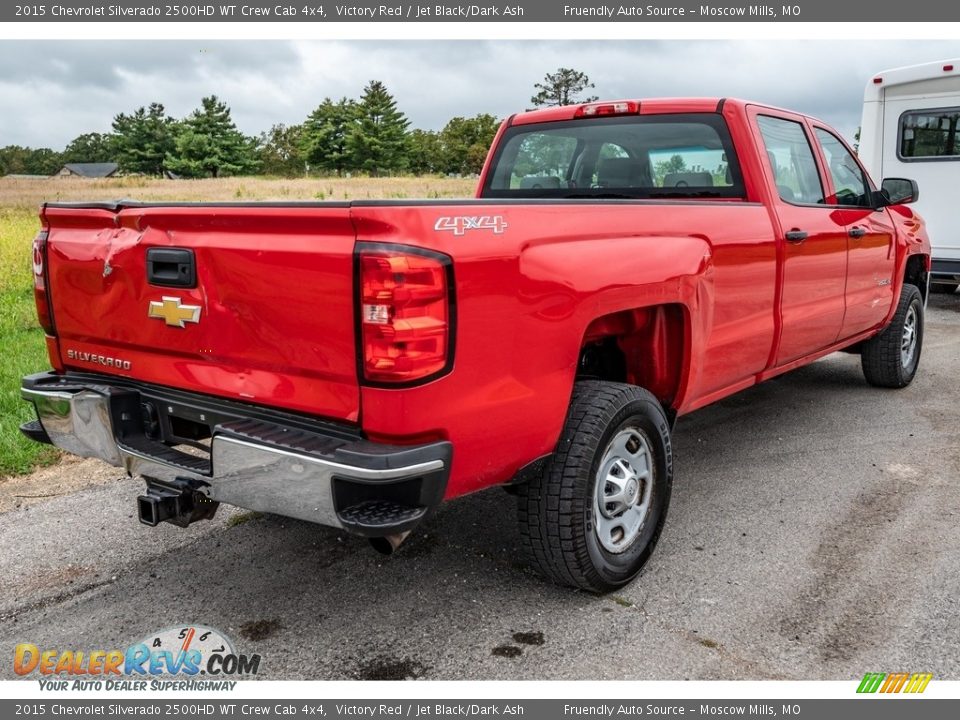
(405, 313)
(41, 293)
(623, 107)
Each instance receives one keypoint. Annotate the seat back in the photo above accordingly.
(538, 182)
(688, 179)
(624, 172)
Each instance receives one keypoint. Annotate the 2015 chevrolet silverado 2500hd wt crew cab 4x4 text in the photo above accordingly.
(354, 364)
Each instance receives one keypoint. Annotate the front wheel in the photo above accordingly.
(890, 359)
(593, 518)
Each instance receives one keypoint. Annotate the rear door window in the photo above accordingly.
(791, 160)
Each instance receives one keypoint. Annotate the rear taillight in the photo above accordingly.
(41, 292)
(405, 298)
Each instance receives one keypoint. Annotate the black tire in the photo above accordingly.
(882, 356)
(944, 288)
(557, 508)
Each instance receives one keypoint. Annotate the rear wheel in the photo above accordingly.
(891, 358)
(593, 518)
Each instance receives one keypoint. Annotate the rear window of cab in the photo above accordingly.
(638, 156)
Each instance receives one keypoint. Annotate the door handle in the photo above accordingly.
(796, 236)
(856, 232)
(171, 267)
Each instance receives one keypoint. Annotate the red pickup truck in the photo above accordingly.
(354, 364)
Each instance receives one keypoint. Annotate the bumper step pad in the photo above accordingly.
(371, 515)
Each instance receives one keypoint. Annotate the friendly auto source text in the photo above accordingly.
(612, 11)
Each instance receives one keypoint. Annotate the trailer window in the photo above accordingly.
(657, 156)
(929, 134)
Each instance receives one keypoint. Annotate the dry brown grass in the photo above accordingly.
(29, 193)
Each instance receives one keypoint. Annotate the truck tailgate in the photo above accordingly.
(269, 318)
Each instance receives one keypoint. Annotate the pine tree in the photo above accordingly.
(209, 144)
(377, 141)
(562, 88)
(324, 140)
(143, 140)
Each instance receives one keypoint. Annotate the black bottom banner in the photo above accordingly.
(872, 708)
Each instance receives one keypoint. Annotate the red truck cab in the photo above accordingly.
(353, 364)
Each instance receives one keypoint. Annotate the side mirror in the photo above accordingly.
(900, 191)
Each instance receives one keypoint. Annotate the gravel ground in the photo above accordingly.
(814, 533)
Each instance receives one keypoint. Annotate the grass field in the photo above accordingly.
(21, 339)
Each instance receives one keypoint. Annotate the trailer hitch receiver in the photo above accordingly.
(178, 501)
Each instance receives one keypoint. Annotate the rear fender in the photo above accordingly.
(654, 294)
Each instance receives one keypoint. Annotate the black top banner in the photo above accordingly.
(321, 11)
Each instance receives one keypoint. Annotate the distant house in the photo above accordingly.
(88, 170)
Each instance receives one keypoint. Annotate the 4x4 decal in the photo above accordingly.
(459, 224)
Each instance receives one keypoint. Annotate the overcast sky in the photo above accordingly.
(52, 91)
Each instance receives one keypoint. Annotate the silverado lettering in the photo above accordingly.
(359, 363)
(104, 360)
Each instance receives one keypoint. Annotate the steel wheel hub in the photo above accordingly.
(624, 488)
(908, 342)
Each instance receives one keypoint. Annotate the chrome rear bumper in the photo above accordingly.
(243, 469)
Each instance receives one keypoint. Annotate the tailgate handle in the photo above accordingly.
(171, 267)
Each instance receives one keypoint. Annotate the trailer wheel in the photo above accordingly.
(593, 517)
(890, 359)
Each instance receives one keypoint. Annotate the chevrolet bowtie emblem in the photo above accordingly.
(173, 313)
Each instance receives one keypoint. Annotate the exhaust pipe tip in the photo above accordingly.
(388, 544)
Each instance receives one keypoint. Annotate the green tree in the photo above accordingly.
(19, 160)
(209, 144)
(279, 151)
(144, 140)
(13, 160)
(425, 152)
(465, 142)
(324, 137)
(377, 141)
(545, 154)
(43, 161)
(562, 88)
(90, 148)
(676, 164)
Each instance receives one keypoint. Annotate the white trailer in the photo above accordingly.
(910, 130)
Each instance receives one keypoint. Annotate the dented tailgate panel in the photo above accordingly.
(270, 319)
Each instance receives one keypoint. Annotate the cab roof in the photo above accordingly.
(648, 106)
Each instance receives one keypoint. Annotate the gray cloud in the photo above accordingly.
(51, 91)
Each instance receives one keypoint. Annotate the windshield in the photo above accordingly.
(655, 156)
